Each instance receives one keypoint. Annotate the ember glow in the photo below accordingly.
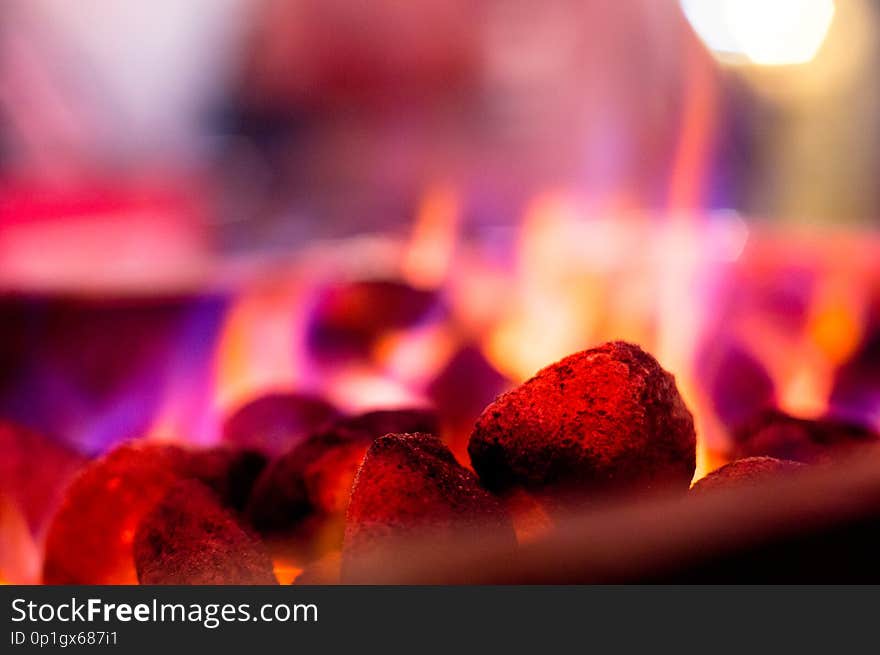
(801, 316)
(419, 265)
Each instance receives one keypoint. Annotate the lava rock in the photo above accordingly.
(273, 423)
(744, 472)
(608, 419)
(90, 537)
(411, 486)
(187, 538)
(774, 433)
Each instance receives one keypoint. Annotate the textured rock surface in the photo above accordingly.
(188, 538)
(605, 419)
(410, 485)
(90, 537)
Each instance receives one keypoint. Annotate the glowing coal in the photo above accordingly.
(606, 419)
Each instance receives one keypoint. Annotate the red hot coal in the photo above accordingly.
(608, 419)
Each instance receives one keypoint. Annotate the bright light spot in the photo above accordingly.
(765, 32)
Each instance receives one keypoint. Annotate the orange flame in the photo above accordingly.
(695, 133)
(428, 256)
(259, 347)
(554, 307)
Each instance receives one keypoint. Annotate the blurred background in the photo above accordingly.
(283, 120)
(424, 202)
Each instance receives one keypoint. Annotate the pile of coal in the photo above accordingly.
(188, 538)
(774, 433)
(605, 420)
(90, 535)
(332, 491)
(744, 472)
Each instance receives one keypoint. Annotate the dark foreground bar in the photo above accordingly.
(437, 619)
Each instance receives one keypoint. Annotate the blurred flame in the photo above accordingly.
(555, 309)
(833, 330)
(681, 256)
(432, 244)
(835, 322)
(286, 572)
(696, 131)
(804, 391)
(259, 347)
(707, 459)
(416, 355)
